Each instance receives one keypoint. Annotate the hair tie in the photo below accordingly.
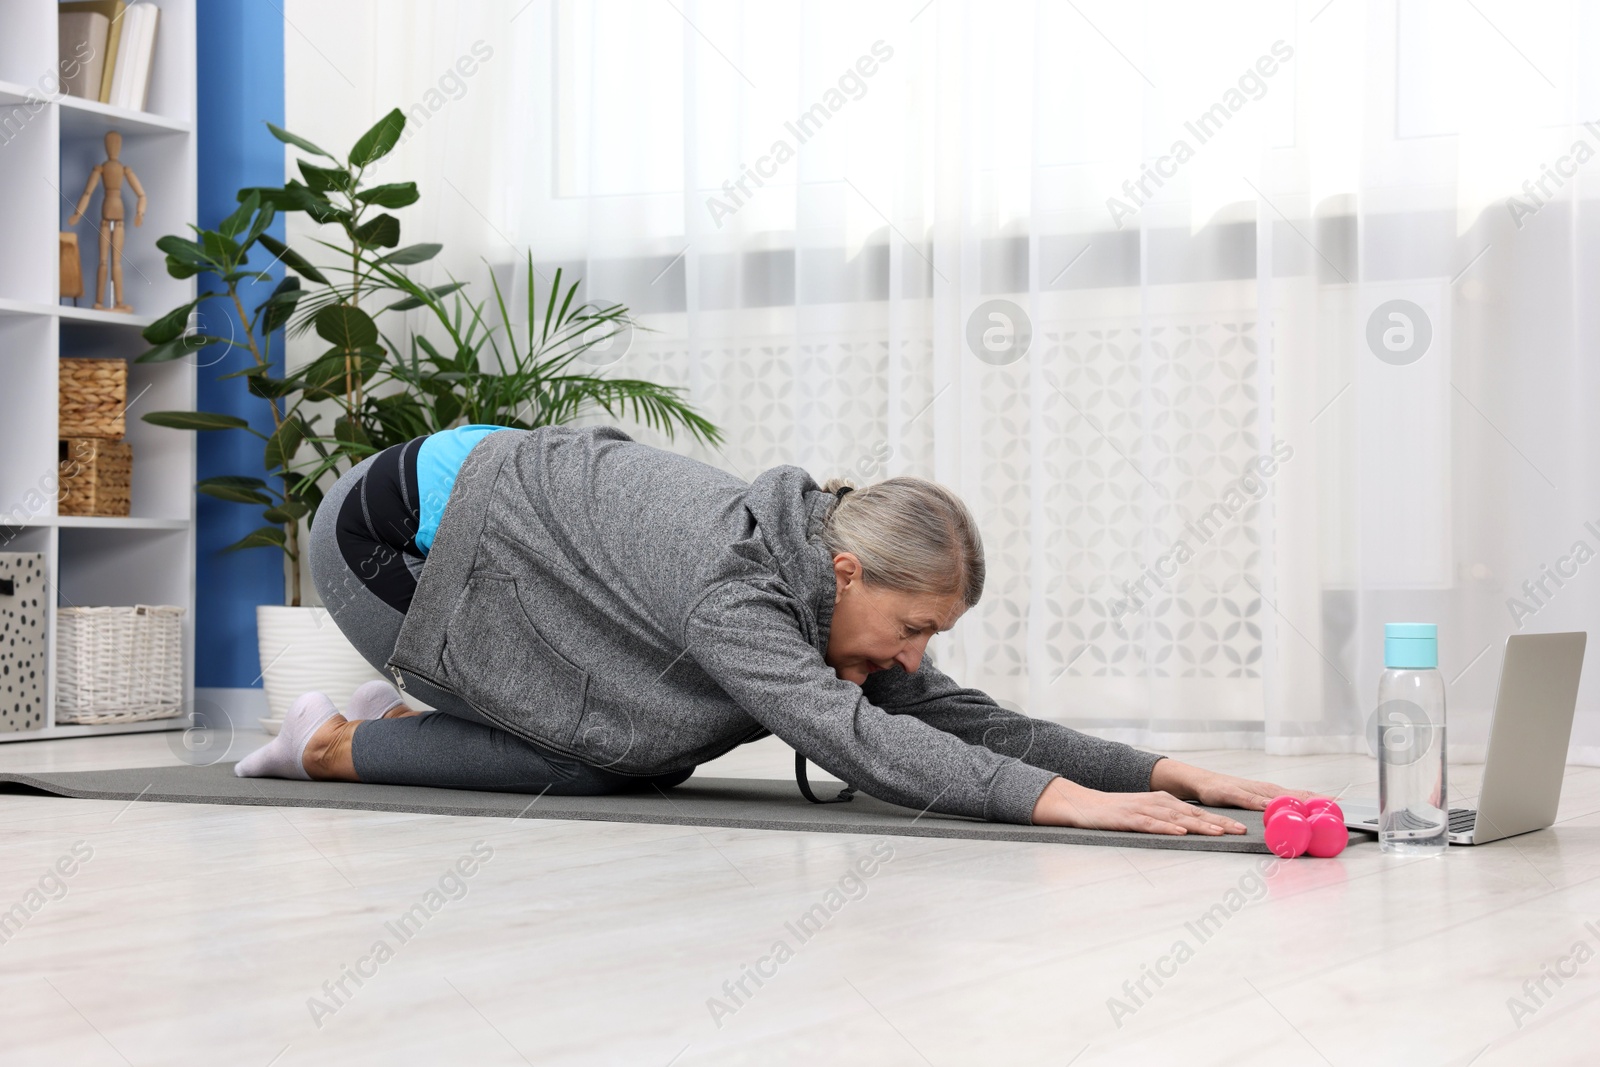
(843, 490)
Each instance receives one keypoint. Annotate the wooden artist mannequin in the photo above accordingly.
(112, 220)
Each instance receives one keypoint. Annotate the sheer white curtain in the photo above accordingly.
(1220, 316)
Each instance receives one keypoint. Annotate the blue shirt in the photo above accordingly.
(439, 460)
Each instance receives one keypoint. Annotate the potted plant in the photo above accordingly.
(366, 391)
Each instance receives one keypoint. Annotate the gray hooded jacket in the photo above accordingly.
(646, 612)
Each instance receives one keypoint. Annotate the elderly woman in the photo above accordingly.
(597, 615)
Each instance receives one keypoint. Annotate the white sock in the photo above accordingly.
(283, 756)
(372, 699)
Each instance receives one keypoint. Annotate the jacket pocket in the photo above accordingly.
(496, 658)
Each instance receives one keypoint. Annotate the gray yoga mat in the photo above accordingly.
(744, 803)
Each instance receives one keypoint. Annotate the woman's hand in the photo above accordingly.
(1065, 803)
(1217, 790)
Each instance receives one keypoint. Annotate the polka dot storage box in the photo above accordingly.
(22, 641)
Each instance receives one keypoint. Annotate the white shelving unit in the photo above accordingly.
(48, 144)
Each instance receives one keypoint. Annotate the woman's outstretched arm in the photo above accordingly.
(972, 715)
(1104, 784)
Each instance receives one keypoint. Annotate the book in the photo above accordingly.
(146, 48)
(127, 56)
(113, 11)
(82, 52)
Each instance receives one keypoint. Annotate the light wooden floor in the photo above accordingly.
(198, 935)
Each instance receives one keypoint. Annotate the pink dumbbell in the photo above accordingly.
(1313, 827)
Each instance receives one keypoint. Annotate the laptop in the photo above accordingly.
(1528, 738)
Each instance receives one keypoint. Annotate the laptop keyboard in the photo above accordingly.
(1462, 821)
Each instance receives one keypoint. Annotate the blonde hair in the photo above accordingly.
(910, 534)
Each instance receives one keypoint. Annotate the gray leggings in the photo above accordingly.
(453, 747)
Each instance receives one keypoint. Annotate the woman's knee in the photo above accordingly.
(630, 784)
(675, 778)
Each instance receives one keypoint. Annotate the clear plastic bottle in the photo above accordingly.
(1413, 801)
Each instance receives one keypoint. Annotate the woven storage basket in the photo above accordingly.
(96, 477)
(118, 664)
(93, 398)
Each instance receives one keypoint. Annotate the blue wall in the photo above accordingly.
(240, 84)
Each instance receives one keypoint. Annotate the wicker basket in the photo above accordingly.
(118, 664)
(93, 398)
(96, 477)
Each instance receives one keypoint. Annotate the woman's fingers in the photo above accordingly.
(1224, 790)
(1214, 823)
(1251, 797)
(1173, 811)
(1202, 817)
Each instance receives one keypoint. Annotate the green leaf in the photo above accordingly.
(321, 179)
(324, 212)
(395, 194)
(561, 319)
(350, 432)
(275, 196)
(279, 307)
(179, 269)
(449, 408)
(270, 388)
(433, 353)
(223, 251)
(236, 490)
(407, 303)
(316, 444)
(284, 443)
(296, 197)
(196, 420)
(185, 258)
(299, 142)
(245, 372)
(234, 223)
(303, 490)
(330, 375)
(179, 347)
(382, 231)
(401, 257)
(182, 247)
(264, 213)
(264, 217)
(171, 325)
(378, 141)
(266, 537)
(293, 260)
(549, 312)
(345, 326)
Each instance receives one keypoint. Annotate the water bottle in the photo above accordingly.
(1413, 807)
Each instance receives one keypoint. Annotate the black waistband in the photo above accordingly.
(377, 526)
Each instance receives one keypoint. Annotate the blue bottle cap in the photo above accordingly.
(1410, 645)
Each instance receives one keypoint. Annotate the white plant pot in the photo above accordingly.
(302, 650)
